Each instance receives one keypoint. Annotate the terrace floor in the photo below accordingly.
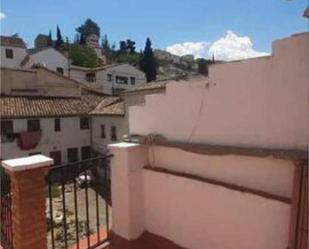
(146, 241)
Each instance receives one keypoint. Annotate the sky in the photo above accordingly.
(227, 29)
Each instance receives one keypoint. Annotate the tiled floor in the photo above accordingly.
(146, 241)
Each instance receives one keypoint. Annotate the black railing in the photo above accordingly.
(78, 203)
(6, 239)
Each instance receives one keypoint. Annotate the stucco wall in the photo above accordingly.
(270, 175)
(70, 136)
(19, 55)
(198, 215)
(102, 82)
(99, 143)
(51, 58)
(37, 82)
(259, 102)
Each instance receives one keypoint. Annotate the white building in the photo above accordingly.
(111, 79)
(50, 57)
(13, 51)
(44, 112)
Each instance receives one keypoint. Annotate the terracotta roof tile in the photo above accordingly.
(116, 108)
(21, 107)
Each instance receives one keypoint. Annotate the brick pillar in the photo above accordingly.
(28, 200)
(127, 189)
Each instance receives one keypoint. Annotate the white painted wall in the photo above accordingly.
(259, 102)
(69, 136)
(198, 215)
(270, 175)
(99, 143)
(51, 58)
(18, 53)
(125, 70)
(102, 82)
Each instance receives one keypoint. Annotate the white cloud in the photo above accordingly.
(233, 47)
(198, 49)
(2, 15)
(228, 48)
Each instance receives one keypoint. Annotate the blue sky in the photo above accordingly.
(166, 22)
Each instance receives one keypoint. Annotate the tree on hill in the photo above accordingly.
(203, 65)
(59, 41)
(83, 56)
(148, 62)
(50, 39)
(130, 46)
(89, 27)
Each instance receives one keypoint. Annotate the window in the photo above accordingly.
(6, 126)
(132, 80)
(72, 155)
(56, 155)
(84, 123)
(7, 131)
(109, 77)
(59, 70)
(9, 53)
(33, 125)
(121, 80)
(57, 124)
(102, 131)
(113, 133)
(90, 77)
(86, 152)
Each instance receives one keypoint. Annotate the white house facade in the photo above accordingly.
(50, 58)
(13, 51)
(111, 79)
(51, 116)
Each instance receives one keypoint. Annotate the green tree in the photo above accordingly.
(105, 44)
(83, 56)
(59, 40)
(203, 65)
(122, 47)
(130, 46)
(148, 62)
(50, 39)
(89, 27)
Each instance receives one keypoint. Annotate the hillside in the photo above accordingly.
(172, 66)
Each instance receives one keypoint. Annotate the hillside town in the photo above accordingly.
(107, 147)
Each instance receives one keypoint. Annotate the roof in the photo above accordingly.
(12, 41)
(148, 86)
(74, 67)
(114, 109)
(26, 107)
(37, 50)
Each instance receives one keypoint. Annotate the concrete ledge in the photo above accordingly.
(123, 145)
(27, 163)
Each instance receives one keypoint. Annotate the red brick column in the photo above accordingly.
(28, 201)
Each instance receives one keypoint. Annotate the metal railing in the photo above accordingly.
(6, 239)
(78, 203)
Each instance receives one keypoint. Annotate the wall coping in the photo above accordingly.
(123, 146)
(27, 163)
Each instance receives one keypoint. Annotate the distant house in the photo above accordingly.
(41, 41)
(50, 57)
(13, 51)
(111, 79)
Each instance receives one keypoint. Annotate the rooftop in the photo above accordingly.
(26, 106)
(12, 41)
